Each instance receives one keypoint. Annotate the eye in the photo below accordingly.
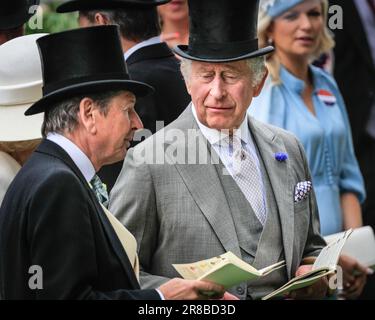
(314, 13)
(291, 16)
(230, 77)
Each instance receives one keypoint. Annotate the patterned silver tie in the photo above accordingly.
(100, 190)
(245, 172)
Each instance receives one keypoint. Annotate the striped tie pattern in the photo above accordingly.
(100, 190)
(246, 174)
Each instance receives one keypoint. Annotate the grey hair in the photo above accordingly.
(256, 67)
(62, 117)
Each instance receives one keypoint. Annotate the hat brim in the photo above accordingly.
(16, 127)
(183, 51)
(17, 20)
(139, 89)
(82, 5)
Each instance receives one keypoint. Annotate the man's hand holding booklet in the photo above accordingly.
(228, 270)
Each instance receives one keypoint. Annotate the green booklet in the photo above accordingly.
(227, 270)
(325, 264)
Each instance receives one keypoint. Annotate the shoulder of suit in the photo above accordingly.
(274, 130)
(324, 77)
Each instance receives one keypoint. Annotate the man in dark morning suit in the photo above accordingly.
(355, 74)
(149, 60)
(57, 239)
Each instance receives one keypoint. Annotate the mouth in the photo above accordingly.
(219, 109)
(306, 40)
(176, 4)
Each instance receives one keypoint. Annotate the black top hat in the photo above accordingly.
(82, 5)
(14, 13)
(222, 30)
(83, 61)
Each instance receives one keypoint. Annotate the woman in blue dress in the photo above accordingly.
(305, 100)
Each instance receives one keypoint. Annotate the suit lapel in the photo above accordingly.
(54, 150)
(205, 187)
(268, 144)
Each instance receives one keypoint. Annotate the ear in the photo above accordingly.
(270, 29)
(101, 19)
(258, 89)
(87, 115)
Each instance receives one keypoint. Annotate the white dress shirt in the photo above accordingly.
(214, 137)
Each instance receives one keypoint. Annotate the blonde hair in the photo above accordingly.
(326, 42)
(19, 150)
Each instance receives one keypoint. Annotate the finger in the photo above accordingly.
(206, 286)
(229, 296)
(349, 279)
(361, 268)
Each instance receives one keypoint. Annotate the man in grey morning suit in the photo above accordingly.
(184, 212)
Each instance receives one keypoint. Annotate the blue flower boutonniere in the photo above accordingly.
(281, 156)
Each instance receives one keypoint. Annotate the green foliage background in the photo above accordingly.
(52, 21)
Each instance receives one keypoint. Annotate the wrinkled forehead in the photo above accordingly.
(235, 66)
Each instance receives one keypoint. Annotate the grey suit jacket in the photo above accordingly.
(178, 212)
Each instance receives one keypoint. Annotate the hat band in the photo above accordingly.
(221, 50)
(20, 94)
(55, 86)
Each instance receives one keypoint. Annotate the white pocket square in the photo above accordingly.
(302, 190)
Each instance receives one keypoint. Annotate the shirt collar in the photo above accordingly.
(291, 81)
(76, 154)
(145, 43)
(214, 136)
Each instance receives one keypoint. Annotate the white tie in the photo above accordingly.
(245, 172)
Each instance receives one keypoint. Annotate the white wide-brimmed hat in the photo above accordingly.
(20, 87)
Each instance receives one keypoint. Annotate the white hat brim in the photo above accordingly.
(15, 126)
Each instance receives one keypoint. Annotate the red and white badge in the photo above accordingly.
(327, 97)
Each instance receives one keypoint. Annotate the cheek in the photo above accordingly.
(198, 94)
(283, 34)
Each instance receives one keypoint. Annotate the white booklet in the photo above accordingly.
(360, 245)
(324, 264)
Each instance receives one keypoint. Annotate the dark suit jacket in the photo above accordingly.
(50, 217)
(157, 66)
(354, 69)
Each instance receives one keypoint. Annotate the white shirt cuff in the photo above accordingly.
(160, 294)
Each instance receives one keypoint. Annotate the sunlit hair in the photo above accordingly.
(326, 42)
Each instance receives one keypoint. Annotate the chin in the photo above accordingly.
(220, 125)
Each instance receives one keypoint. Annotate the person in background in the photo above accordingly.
(306, 101)
(354, 71)
(20, 87)
(174, 22)
(13, 16)
(148, 59)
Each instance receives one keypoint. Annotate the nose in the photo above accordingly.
(136, 121)
(217, 88)
(305, 22)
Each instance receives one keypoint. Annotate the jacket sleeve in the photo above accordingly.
(133, 202)
(60, 236)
